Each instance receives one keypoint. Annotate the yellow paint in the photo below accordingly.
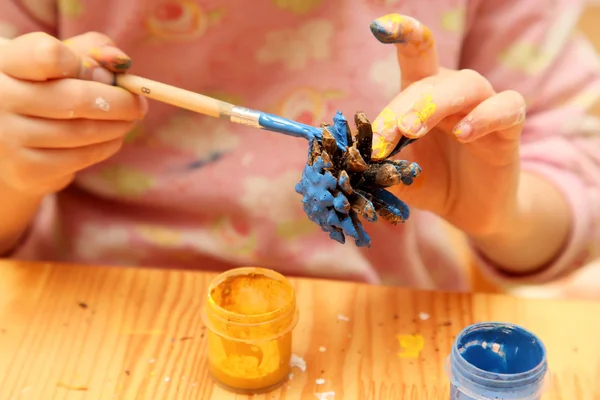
(414, 122)
(392, 18)
(411, 345)
(381, 148)
(250, 315)
(425, 108)
(385, 121)
(384, 124)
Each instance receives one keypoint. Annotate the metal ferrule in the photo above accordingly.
(245, 116)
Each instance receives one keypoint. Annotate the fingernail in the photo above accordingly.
(463, 130)
(388, 29)
(103, 76)
(412, 124)
(384, 128)
(111, 58)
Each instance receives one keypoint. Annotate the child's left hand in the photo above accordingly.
(468, 145)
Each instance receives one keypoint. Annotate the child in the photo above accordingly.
(121, 183)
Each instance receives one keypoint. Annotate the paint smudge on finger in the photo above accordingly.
(102, 104)
(411, 345)
(401, 29)
(111, 58)
(384, 128)
(414, 123)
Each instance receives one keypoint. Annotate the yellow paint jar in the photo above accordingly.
(250, 314)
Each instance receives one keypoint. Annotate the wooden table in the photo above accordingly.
(80, 332)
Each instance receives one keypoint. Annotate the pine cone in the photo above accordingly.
(340, 182)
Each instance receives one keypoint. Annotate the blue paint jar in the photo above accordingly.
(495, 360)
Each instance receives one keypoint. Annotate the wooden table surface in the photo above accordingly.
(81, 332)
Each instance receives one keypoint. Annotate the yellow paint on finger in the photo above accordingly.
(411, 345)
(383, 126)
(425, 107)
(380, 148)
(385, 121)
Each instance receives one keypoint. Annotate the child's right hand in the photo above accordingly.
(58, 112)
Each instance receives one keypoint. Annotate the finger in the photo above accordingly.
(503, 113)
(32, 167)
(101, 49)
(89, 100)
(40, 57)
(46, 133)
(417, 53)
(425, 104)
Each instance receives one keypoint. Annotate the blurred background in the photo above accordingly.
(583, 284)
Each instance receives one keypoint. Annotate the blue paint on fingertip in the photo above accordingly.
(494, 360)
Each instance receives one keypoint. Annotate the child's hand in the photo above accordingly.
(58, 112)
(468, 135)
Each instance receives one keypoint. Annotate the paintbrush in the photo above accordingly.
(215, 108)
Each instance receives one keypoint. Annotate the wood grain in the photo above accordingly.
(82, 332)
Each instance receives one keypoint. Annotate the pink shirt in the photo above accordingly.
(188, 191)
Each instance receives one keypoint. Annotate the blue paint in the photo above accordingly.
(383, 34)
(331, 212)
(338, 130)
(286, 126)
(391, 203)
(495, 360)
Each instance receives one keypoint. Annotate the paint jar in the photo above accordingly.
(494, 360)
(250, 314)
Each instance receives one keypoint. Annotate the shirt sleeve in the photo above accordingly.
(533, 47)
(18, 17)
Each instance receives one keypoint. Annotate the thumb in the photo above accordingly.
(415, 45)
(101, 49)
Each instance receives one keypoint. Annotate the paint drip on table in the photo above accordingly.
(341, 183)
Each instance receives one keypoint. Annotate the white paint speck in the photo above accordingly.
(167, 378)
(342, 317)
(325, 396)
(322, 349)
(291, 376)
(298, 362)
(152, 361)
(423, 316)
(320, 381)
(102, 104)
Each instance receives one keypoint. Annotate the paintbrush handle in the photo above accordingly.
(175, 96)
(215, 108)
